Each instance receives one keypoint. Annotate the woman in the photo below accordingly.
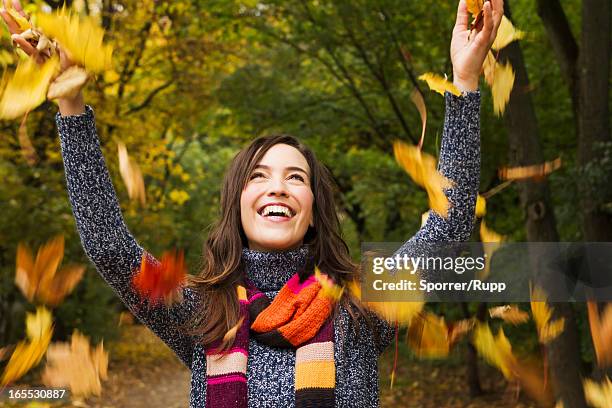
(288, 347)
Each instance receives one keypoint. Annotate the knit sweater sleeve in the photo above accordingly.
(459, 161)
(104, 236)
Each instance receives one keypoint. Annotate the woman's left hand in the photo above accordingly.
(469, 50)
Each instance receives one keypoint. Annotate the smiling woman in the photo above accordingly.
(254, 326)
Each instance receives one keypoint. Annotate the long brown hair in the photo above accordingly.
(222, 263)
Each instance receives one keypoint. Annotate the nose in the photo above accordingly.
(277, 188)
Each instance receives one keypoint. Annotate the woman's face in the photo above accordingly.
(276, 203)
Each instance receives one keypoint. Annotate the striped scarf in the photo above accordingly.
(298, 317)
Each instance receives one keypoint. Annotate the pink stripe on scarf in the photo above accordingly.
(226, 379)
(295, 285)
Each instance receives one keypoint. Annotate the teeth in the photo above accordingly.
(276, 208)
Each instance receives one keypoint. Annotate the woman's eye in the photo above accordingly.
(298, 176)
(255, 175)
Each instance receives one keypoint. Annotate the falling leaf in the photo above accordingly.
(131, 175)
(80, 37)
(329, 289)
(601, 332)
(481, 206)
(506, 33)
(27, 149)
(438, 84)
(417, 98)
(68, 83)
(428, 336)
(547, 330)
(598, 395)
(488, 67)
(496, 350)
(458, 329)
(492, 241)
(27, 88)
(76, 366)
(536, 171)
(424, 217)
(422, 168)
(509, 313)
(161, 281)
(27, 354)
(502, 86)
(41, 278)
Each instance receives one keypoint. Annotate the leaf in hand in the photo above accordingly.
(28, 354)
(68, 83)
(81, 38)
(439, 84)
(76, 366)
(161, 281)
(422, 168)
(27, 88)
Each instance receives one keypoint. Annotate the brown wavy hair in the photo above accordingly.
(222, 263)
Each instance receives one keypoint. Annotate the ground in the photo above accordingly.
(144, 373)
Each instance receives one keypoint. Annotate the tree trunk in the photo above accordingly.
(522, 125)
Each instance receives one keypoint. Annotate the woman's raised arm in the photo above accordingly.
(104, 235)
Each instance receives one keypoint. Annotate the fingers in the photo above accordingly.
(17, 6)
(23, 44)
(484, 36)
(498, 13)
(463, 16)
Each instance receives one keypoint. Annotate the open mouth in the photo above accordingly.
(276, 211)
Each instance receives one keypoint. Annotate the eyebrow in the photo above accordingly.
(290, 168)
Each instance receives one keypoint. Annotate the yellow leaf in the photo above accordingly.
(536, 171)
(76, 366)
(488, 67)
(493, 242)
(509, 313)
(424, 217)
(419, 102)
(474, 6)
(28, 354)
(506, 33)
(68, 84)
(27, 88)
(428, 336)
(440, 85)
(41, 278)
(503, 83)
(599, 395)
(496, 350)
(547, 330)
(422, 168)
(481, 206)
(329, 289)
(81, 38)
(131, 175)
(601, 332)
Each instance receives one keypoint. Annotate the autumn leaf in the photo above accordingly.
(76, 366)
(481, 206)
(41, 278)
(68, 83)
(131, 175)
(161, 281)
(27, 354)
(329, 289)
(488, 67)
(501, 89)
(547, 330)
(536, 171)
(474, 6)
(598, 395)
(601, 332)
(422, 168)
(506, 33)
(509, 313)
(80, 37)
(428, 336)
(496, 350)
(27, 87)
(417, 98)
(492, 242)
(438, 84)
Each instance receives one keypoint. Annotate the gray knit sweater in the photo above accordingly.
(270, 371)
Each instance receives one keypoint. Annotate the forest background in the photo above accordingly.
(193, 82)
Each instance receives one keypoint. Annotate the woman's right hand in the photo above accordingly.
(68, 106)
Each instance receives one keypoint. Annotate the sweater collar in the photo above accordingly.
(269, 271)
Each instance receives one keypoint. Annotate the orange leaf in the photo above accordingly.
(601, 332)
(131, 175)
(161, 281)
(509, 313)
(428, 336)
(536, 171)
